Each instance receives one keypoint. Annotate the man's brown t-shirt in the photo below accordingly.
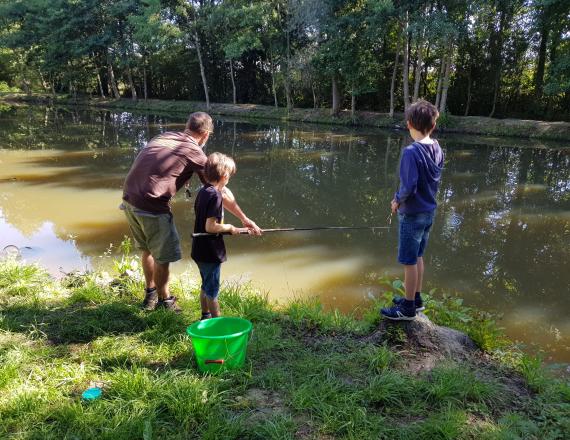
(161, 169)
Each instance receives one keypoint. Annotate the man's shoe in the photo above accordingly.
(399, 300)
(150, 299)
(398, 313)
(170, 304)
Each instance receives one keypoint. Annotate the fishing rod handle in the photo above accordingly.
(210, 234)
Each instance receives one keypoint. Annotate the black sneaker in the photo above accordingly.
(169, 304)
(398, 313)
(399, 300)
(150, 299)
(205, 316)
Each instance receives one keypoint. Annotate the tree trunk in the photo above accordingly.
(393, 83)
(288, 73)
(100, 83)
(440, 81)
(336, 98)
(233, 80)
(426, 69)
(405, 64)
(202, 71)
(111, 76)
(314, 95)
(45, 85)
(495, 94)
(468, 103)
(131, 83)
(352, 104)
(273, 86)
(445, 85)
(145, 84)
(539, 75)
(497, 59)
(418, 69)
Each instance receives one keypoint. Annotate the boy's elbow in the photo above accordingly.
(211, 227)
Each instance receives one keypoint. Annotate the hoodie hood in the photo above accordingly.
(431, 156)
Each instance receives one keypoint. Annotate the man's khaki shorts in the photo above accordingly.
(155, 233)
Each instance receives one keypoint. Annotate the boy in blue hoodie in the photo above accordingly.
(415, 202)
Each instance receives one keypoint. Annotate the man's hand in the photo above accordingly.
(394, 205)
(253, 228)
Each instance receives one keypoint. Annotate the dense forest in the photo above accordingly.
(498, 58)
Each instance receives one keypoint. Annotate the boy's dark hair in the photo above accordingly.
(200, 122)
(422, 116)
(217, 166)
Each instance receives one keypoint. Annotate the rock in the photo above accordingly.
(425, 342)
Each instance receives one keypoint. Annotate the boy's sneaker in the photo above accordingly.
(169, 304)
(398, 313)
(205, 316)
(150, 299)
(399, 300)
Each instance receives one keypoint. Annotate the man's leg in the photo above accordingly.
(147, 262)
(161, 275)
(410, 280)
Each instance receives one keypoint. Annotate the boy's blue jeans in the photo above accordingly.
(413, 236)
(210, 274)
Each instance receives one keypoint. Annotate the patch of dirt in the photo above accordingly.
(260, 404)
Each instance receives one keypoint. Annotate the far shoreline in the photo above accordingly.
(471, 125)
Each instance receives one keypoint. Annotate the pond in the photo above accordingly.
(501, 238)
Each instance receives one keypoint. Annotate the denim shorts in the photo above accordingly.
(413, 236)
(210, 273)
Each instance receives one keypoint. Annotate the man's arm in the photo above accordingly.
(231, 205)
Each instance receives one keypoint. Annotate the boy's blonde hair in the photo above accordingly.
(422, 115)
(217, 166)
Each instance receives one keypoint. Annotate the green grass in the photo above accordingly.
(311, 373)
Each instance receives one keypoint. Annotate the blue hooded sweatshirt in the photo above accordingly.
(420, 173)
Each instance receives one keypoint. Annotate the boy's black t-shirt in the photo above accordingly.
(208, 249)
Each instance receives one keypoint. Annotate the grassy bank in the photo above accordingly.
(448, 123)
(310, 374)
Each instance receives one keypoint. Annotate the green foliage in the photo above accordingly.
(310, 314)
(21, 280)
(294, 48)
(5, 88)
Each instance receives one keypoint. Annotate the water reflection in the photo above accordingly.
(501, 237)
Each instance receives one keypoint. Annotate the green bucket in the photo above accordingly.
(220, 343)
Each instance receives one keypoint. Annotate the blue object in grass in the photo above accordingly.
(91, 393)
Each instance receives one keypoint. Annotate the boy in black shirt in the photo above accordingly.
(209, 252)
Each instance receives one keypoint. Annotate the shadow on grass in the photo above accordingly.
(78, 323)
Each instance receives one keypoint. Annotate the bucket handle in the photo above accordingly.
(214, 361)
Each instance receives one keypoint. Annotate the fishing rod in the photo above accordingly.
(317, 228)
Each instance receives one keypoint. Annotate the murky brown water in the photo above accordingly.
(501, 239)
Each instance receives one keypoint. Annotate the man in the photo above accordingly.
(159, 171)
